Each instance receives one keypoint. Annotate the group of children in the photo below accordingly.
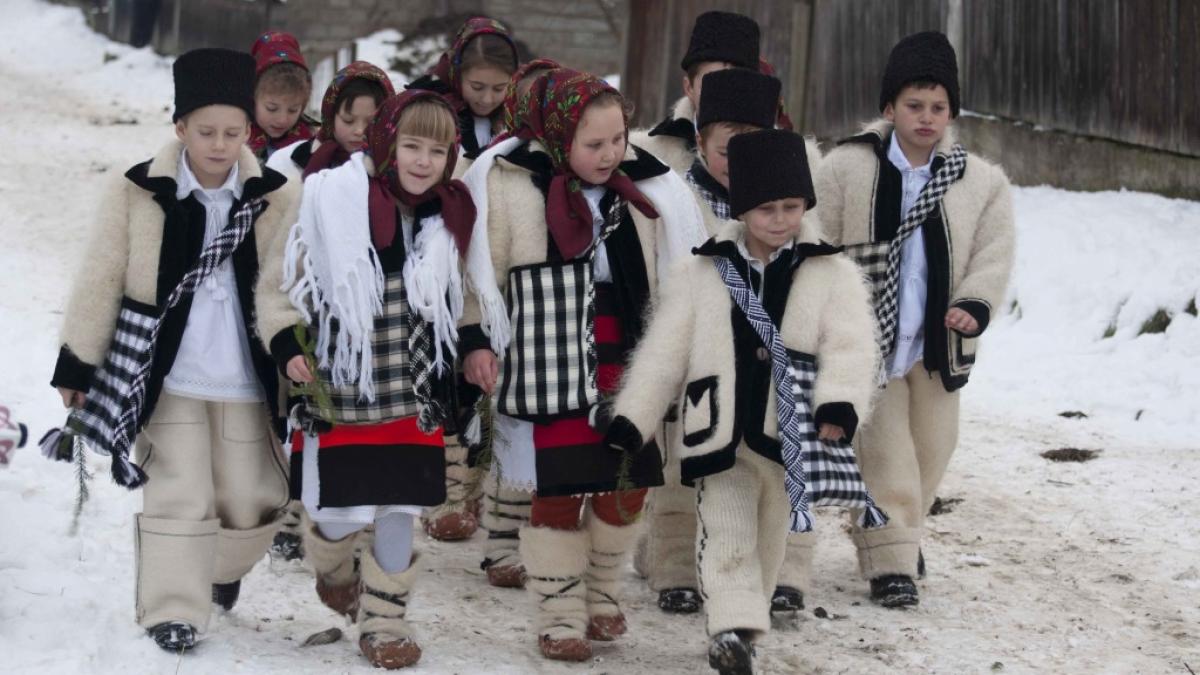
(484, 300)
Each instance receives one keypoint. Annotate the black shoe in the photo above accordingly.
(787, 599)
(226, 595)
(287, 546)
(920, 564)
(173, 636)
(679, 600)
(894, 590)
(731, 653)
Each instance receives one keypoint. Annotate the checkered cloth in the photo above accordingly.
(112, 413)
(550, 367)
(815, 472)
(880, 261)
(718, 203)
(393, 368)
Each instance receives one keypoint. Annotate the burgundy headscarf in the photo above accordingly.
(513, 115)
(556, 103)
(458, 210)
(331, 153)
(448, 69)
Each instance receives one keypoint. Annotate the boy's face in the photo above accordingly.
(714, 151)
(599, 143)
(483, 89)
(351, 122)
(692, 85)
(213, 136)
(920, 117)
(773, 224)
(276, 113)
(420, 162)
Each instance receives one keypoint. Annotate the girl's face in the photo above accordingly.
(599, 143)
(420, 162)
(483, 89)
(276, 114)
(773, 224)
(351, 122)
(920, 117)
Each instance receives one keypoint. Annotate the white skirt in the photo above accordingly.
(512, 448)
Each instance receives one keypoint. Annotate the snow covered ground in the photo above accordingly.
(1042, 567)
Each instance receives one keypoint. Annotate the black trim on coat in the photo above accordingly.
(622, 435)
(303, 153)
(677, 127)
(284, 347)
(980, 311)
(71, 372)
(471, 338)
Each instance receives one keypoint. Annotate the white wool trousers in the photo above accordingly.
(903, 451)
(743, 516)
(215, 497)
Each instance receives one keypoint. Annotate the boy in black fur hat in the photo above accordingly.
(756, 415)
(158, 344)
(932, 227)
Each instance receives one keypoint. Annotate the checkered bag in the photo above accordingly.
(391, 368)
(112, 413)
(550, 365)
(830, 466)
(815, 473)
(880, 261)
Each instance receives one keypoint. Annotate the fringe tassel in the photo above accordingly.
(127, 474)
(58, 445)
(473, 433)
(872, 517)
(802, 521)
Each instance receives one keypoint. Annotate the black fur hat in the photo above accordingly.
(921, 57)
(765, 166)
(723, 36)
(213, 76)
(739, 95)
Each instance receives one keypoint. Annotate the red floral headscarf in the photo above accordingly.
(448, 69)
(458, 210)
(331, 153)
(556, 103)
(513, 116)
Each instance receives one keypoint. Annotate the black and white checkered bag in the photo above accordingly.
(111, 415)
(550, 366)
(880, 261)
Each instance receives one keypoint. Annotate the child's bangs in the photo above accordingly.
(429, 119)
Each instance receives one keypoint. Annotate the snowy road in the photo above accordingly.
(1042, 567)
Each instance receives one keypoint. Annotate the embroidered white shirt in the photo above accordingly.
(600, 269)
(914, 271)
(483, 131)
(214, 361)
(758, 265)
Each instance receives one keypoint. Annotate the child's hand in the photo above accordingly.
(72, 398)
(482, 369)
(961, 321)
(831, 432)
(297, 370)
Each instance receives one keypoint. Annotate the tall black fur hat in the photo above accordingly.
(213, 76)
(723, 36)
(765, 166)
(739, 95)
(920, 57)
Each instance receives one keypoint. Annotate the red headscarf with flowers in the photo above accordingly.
(513, 117)
(271, 48)
(556, 103)
(458, 210)
(331, 153)
(448, 69)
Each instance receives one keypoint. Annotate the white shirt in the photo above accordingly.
(758, 265)
(483, 131)
(600, 269)
(914, 271)
(214, 362)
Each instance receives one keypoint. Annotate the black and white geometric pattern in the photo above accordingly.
(814, 472)
(113, 407)
(880, 261)
(718, 203)
(550, 367)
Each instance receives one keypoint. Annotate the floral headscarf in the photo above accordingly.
(458, 210)
(331, 153)
(448, 69)
(513, 114)
(556, 103)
